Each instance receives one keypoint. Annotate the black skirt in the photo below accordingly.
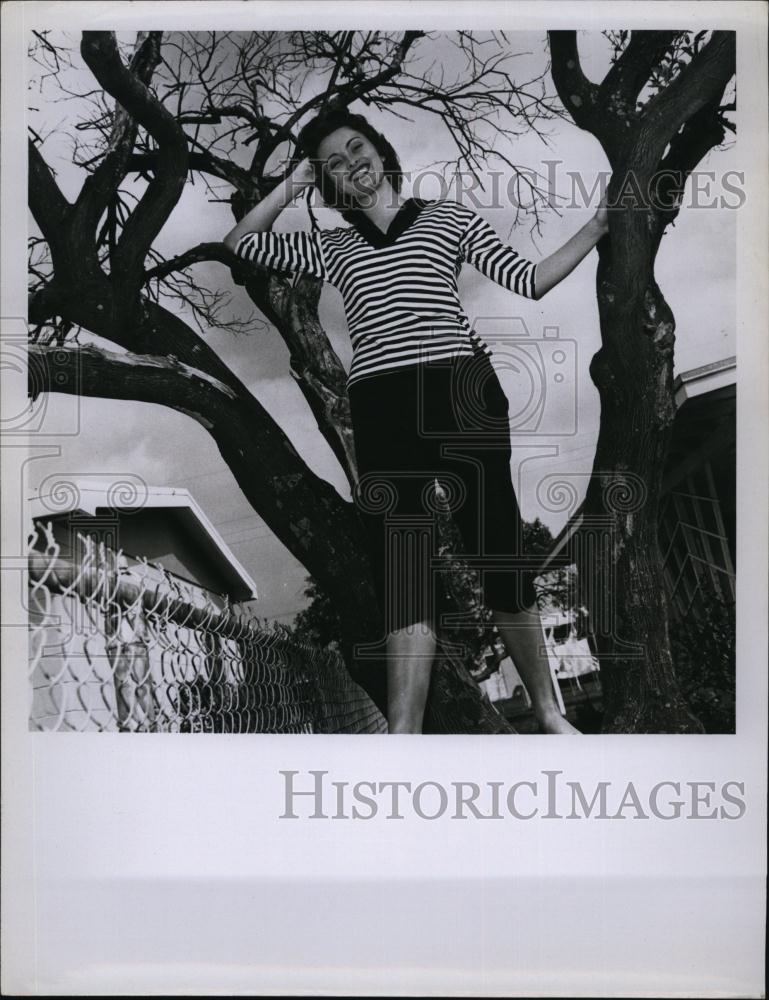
(446, 420)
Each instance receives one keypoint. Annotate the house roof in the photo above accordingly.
(87, 494)
(719, 375)
(706, 378)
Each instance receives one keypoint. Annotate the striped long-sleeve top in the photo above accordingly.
(399, 288)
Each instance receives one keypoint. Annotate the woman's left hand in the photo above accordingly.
(553, 269)
(601, 217)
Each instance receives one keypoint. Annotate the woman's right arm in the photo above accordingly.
(262, 216)
(284, 253)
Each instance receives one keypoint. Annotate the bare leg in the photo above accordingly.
(410, 655)
(524, 640)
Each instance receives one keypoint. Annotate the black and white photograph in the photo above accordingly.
(274, 356)
(385, 373)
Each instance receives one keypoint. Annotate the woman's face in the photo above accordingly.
(353, 164)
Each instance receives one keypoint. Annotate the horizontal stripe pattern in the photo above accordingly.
(286, 253)
(401, 299)
(481, 247)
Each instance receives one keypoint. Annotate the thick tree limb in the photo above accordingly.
(49, 207)
(578, 94)
(92, 371)
(195, 255)
(202, 160)
(100, 52)
(315, 366)
(632, 70)
(157, 331)
(701, 133)
(698, 84)
(100, 187)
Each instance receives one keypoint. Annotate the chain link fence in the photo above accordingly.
(122, 645)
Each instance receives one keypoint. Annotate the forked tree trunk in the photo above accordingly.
(618, 555)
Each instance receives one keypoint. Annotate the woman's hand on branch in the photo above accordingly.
(601, 217)
(558, 265)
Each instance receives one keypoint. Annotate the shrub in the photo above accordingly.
(702, 646)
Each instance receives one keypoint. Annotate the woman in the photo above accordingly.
(425, 400)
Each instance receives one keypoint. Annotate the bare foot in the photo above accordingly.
(557, 724)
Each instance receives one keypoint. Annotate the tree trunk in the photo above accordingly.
(456, 703)
(618, 556)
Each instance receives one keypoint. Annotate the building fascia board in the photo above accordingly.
(90, 494)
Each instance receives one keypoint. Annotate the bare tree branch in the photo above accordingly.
(203, 160)
(99, 50)
(195, 255)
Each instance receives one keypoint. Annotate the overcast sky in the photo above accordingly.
(695, 270)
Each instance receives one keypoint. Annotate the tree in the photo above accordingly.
(171, 109)
(663, 105)
(318, 624)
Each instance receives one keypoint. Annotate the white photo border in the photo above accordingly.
(161, 864)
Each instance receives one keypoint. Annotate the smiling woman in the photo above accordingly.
(343, 146)
(420, 379)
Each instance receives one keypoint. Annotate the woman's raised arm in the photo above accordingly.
(262, 216)
(285, 253)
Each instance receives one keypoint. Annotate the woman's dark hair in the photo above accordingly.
(313, 133)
